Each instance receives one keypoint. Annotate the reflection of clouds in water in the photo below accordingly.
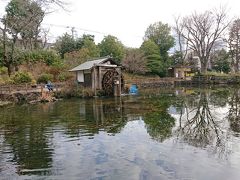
(132, 154)
(114, 140)
(176, 110)
(104, 154)
(204, 125)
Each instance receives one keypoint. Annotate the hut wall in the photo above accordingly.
(87, 80)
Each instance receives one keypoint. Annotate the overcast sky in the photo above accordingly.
(125, 19)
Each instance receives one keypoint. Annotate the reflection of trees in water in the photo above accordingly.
(200, 127)
(89, 117)
(28, 130)
(159, 125)
(234, 111)
(27, 135)
(113, 116)
(108, 114)
(219, 97)
(159, 122)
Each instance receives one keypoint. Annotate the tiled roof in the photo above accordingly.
(89, 64)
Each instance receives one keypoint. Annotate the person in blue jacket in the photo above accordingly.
(49, 86)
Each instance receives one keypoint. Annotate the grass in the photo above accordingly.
(134, 78)
(214, 73)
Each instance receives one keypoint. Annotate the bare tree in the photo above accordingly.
(202, 31)
(234, 44)
(50, 6)
(135, 62)
(181, 41)
(59, 3)
(44, 35)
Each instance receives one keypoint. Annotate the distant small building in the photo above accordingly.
(180, 71)
(101, 75)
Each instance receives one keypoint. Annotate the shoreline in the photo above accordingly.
(45, 96)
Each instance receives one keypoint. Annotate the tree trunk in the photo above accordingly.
(237, 65)
(203, 67)
(9, 69)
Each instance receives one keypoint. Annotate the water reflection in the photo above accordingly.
(28, 138)
(198, 126)
(88, 117)
(234, 111)
(204, 119)
(158, 121)
(116, 133)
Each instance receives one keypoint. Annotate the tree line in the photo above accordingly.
(207, 41)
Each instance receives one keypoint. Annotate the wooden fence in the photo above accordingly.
(27, 88)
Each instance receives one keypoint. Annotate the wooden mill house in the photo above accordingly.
(102, 75)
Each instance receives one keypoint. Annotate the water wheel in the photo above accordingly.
(108, 81)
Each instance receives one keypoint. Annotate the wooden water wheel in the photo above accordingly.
(108, 81)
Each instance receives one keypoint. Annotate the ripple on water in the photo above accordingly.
(143, 137)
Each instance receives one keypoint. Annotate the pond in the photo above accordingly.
(184, 133)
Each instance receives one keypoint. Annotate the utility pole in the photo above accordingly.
(73, 32)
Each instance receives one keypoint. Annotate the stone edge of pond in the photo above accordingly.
(25, 98)
(5, 103)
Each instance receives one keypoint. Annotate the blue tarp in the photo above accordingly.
(133, 89)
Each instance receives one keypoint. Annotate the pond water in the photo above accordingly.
(159, 134)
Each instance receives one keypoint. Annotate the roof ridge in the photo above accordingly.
(90, 64)
(98, 58)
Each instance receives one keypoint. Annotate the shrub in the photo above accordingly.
(71, 90)
(64, 76)
(1, 81)
(6, 80)
(22, 77)
(3, 70)
(87, 92)
(46, 56)
(44, 78)
(56, 69)
(101, 93)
